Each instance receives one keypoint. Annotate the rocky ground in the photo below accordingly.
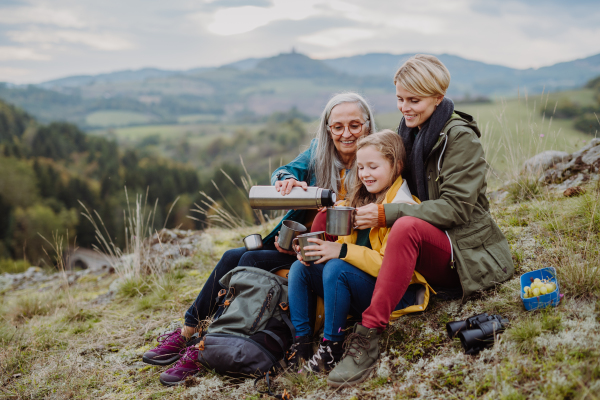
(81, 334)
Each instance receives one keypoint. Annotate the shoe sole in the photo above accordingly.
(350, 383)
(165, 383)
(168, 361)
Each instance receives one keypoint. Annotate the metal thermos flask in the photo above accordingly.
(267, 198)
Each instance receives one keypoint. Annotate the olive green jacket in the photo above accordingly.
(456, 172)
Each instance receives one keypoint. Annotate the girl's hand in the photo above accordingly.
(327, 250)
(366, 217)
(279, 249)
(285, 186)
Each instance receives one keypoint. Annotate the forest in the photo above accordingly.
(47, 170)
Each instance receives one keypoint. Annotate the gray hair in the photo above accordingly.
(325, 162)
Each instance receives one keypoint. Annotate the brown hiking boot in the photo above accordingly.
(362, 351)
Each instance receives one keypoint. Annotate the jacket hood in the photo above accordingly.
(472, 123)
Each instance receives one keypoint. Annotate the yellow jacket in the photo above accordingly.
(363, 258)
(369, 260)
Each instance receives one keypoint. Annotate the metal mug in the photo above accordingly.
(340, 221)
(253, 242)
(289, 230)
(303, 241)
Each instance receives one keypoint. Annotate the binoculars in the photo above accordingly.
(477, 332)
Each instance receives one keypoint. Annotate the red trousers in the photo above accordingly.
(412, 244)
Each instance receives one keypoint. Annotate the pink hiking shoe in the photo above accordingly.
(187, 366)
(168, 350)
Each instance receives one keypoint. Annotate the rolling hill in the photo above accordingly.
(260, 86)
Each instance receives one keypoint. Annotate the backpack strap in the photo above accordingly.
(275, 338)
(287, 321)
(284, 396)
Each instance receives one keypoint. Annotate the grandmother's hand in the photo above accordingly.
(285, 186)
(284, 251)
(366, 217)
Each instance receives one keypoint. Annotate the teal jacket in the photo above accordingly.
(298, 169)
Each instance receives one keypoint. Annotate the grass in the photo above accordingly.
(54, 345)
(13, 266)
(511, 128)
(82, 350)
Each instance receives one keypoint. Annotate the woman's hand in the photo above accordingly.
(367, 217)
(327, 250)
(285, 186)
(337, 203)
(284, 251)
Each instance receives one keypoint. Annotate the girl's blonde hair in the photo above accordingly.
(423, 75)
(390, 145)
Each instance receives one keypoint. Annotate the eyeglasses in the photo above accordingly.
(354, 127)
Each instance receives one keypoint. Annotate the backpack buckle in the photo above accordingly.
(284, 306)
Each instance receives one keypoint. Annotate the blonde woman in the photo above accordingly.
(450, 238)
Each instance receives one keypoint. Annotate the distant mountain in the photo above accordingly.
(111, 77)
(295, 65)
(475, 77)
(260, 86)
(244, 65)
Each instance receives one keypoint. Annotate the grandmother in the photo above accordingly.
(450, 238)
(330, 156)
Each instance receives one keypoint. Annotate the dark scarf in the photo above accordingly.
(419, 147)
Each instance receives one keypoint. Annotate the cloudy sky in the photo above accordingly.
(46, 39)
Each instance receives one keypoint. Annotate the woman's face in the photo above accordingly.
(416, 109)
(348, 115)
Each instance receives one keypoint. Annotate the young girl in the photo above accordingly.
(345, 275)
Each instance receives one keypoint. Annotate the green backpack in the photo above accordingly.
(252, 330)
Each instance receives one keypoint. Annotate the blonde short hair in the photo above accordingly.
(423, 75)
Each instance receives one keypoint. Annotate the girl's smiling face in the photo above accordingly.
(374, 171)
(416, 109)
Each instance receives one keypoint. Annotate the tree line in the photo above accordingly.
(47, 169)
(585, 118)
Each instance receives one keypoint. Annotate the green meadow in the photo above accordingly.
(513, 130)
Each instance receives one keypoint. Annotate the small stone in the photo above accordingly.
(574, 191)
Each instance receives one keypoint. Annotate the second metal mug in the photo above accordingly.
(253, 242)
(289, 230)
(303, 241)
(340, 221)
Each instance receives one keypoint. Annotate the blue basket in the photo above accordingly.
(544, 300)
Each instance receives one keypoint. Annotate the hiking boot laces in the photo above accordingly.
(292, 351)
(354, 344)
(188, 354)
(169, 338)
(313, 363)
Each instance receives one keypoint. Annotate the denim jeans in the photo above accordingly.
(345, 289)
(205, 304)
